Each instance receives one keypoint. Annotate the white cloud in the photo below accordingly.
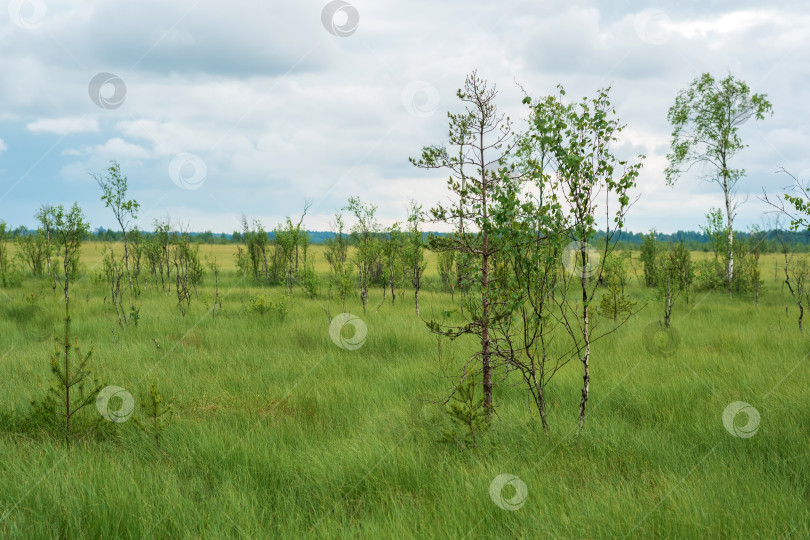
(119, 149)
(64, 126)
(736, 22)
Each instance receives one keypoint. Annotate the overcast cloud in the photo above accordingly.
(215, 109)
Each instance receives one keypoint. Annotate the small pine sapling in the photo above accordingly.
(73, 390)
(614, 303)
(615, 276)
(467, 410)
(75, 387)
(155, 410)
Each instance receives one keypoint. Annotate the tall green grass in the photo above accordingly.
(279, 433)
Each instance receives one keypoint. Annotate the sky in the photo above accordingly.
(221, 109)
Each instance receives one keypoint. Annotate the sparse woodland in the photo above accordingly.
(274, 387)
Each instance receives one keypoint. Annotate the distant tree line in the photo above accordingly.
(798, 242)
(701, 241)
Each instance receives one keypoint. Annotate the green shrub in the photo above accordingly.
(710, 274)
(261, 305)
(11, 275)
(310, 281)
(649, 258)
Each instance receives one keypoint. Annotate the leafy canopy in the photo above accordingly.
(706, 119)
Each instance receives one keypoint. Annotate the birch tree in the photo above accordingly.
(336, 251)
(114, 195)
(414, 252)
(577, 139)
(367, 245)
(706, 120)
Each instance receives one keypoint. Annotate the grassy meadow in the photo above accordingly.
(279, 433)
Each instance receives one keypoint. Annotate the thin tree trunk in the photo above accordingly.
(730, 231)
(126, 248)
(48, 247)
(126, 256)
(668, 313)
(586, 376)
(364, 270)
(67, 344)
(792, 293)
(540, 400)
(541, 406)
(67, 364)
(486, 369)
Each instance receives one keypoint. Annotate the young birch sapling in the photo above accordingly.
(578, 139)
